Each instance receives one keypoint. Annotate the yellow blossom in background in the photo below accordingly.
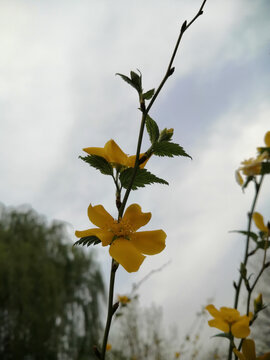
(267, 139)
(123, 299)
(127, 246)
(177, 355)
(108, 347)
(249, 352)
(114, 155)
(253, 166)
(259, 222)
(267, 143)
(229, 320)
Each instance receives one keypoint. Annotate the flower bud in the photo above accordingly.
(258, 304)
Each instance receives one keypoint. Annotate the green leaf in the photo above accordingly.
(224, 335)
(152, 129)
(142, 178)
(99, 163)
(265, 168)
(253, 235)
(166, 148)
(148, 94)
(264, 149)
(87, 240)
(136, 80)
(261, 244)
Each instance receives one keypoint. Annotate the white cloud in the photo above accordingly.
(58, 93)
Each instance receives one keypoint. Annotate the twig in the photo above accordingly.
(146, 110)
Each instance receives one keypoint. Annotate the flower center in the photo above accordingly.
(122, 228)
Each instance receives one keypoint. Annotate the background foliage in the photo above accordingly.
(49, 292)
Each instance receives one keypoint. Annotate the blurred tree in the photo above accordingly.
(49, 292)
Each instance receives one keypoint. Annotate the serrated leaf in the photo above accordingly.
(252, 234)
(167, 148)
(152, 129)
(87, 240)
(142, 178)
(98, 163)
(148, 94)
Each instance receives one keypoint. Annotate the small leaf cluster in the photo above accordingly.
(259, 239)
(161, 141)
(135, 80)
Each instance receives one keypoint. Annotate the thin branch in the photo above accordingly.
(145, 111)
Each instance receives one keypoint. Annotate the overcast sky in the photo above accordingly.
(59, 93)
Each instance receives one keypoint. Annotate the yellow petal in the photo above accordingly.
(229, 314)
(259, 222)
(267, 139)
(238, 354)
(240, 329)
(132, 158)
(96, 151)
(149, 242)
(114, 153)
(213, 311)
(219, 324)
(103, 235)
(248, 349)
(135, 217)
(125, 253)
(239, 178)
(100, 217)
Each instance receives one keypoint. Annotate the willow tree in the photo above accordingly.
(49, 292)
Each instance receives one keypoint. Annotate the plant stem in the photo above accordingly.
(111, 310)
(238, 287)
(246, 254)
(146, 110)
(122, 204)
(258, 276)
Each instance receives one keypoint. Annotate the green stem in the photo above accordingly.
(246, 254)
(111, 309)
(146, 110)
(122, 205)
(258, 276)
(238, 287)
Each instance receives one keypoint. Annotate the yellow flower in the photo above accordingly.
(250, 167)
(108, 347)
(267, 139)
(259, 222)
(177, 355)
(114, 155)
(229, 320)
(127, 246)
(123, 299)
(249, 352)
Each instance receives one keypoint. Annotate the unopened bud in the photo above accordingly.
(258, 304)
